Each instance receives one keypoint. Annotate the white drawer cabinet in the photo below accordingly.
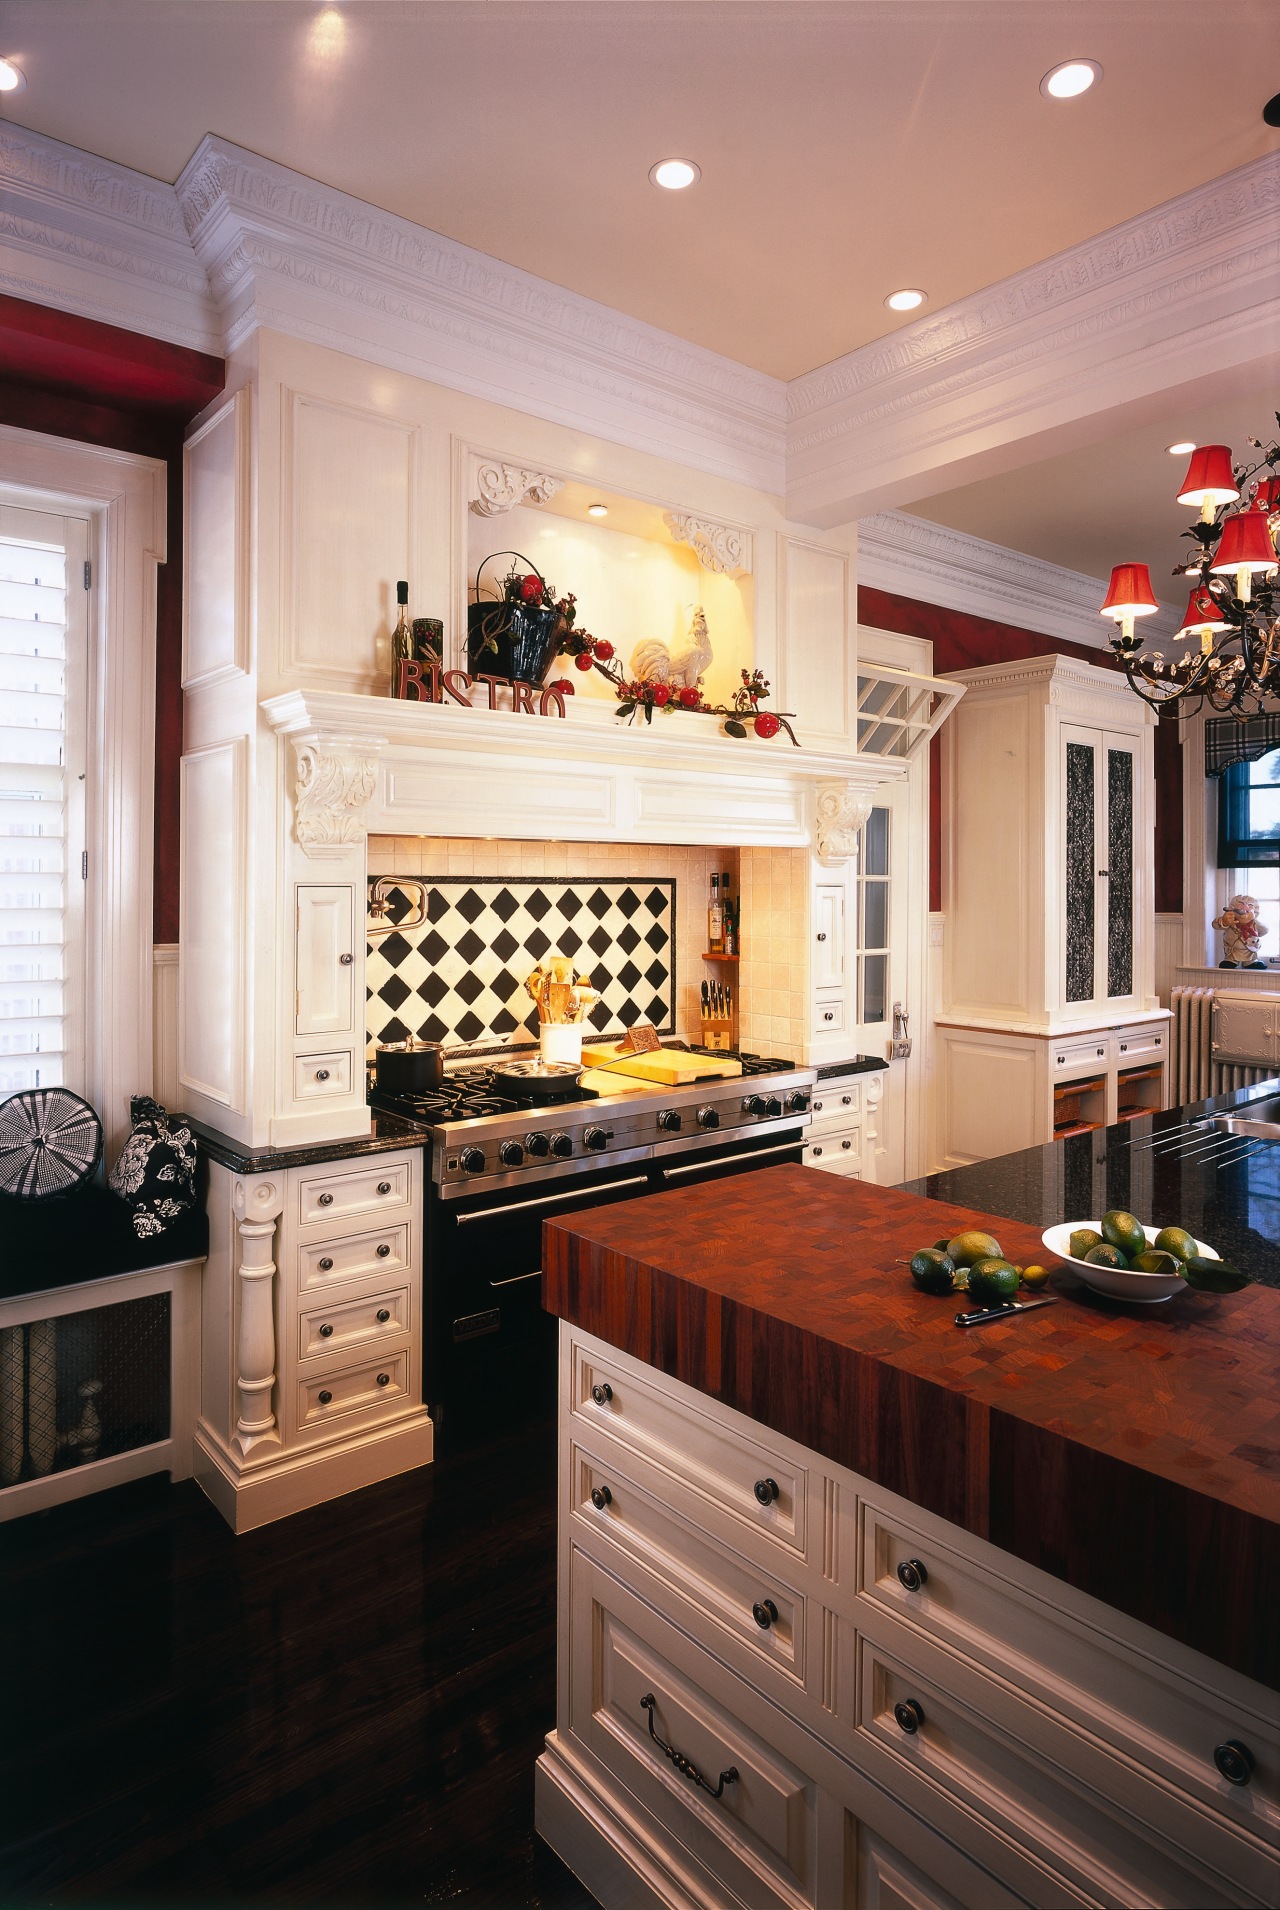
(922, 1721)
(841, 1137)
(312, 1382)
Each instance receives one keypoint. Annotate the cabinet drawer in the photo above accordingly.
(759, 1838)
(356, 1257)
(753, 1481)
(828, 1015)
(835, 1104)
(972, 1752)
(1139, 1044)
(1132, 1709)
(332, 1328)
(330, 1395)
(384, 1184)
(1071, 1055)
(749, 1600)
(316, 1075)
(836, 1152)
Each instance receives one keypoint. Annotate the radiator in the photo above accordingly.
(1192, 1037)
(1229, 1075)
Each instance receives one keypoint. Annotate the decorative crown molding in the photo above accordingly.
(913, 557)
(83, 235)
(717, 547)
(1173, 296)
(283, 251)
(500, 487)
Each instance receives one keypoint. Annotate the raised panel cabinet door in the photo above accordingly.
(828, 935)
(326, 958)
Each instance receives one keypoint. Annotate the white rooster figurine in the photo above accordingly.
(652, 662)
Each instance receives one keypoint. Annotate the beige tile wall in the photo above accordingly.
(691, 869)
(774, 890)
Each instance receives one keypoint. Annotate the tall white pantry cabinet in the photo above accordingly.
(1049, 1016)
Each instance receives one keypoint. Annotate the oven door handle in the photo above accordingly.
(516, 1278)
(728, 1160)
(542, 1200)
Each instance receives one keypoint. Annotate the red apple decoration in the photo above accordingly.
(604, 649)
(767, 725)
(563, 685)
(661, 694)
(690, 698)
(583, 660)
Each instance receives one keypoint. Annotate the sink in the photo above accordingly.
(1258, 1118)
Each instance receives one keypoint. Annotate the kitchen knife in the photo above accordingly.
(1002, 1312)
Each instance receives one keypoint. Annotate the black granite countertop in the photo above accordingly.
(1148, 1167)
(856, 1064)
(389, 1131)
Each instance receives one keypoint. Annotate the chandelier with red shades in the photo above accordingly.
(1232, 606)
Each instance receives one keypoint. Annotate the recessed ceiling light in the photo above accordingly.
(12, 77)
(1070, 79)
(905, 301)
(675, 174)
(1181, 449)
(597, 510)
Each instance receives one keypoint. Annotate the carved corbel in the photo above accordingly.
(258, 1205)
(500, 487)
(842, 810)
(336, 777)
(717, 547)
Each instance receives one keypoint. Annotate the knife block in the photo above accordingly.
(717, 1032)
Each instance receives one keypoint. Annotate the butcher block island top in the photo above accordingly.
(1133, 1452)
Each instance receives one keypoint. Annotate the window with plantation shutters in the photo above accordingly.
(43, 640)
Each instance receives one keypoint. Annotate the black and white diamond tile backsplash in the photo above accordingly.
(459, 976)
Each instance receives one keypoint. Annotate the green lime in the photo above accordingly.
(1081, 1240)
(1153, 1262)
(1106, 1256)
(941, 1245)
(932, 1271)
(966, 1248)
(1177, 1241)
(1215, 1276)
(992, 1281)
(1124, 1231)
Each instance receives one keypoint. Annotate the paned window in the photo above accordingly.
(43, 623)
(1249, 814)
(873, 918)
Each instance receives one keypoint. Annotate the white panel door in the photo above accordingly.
(326, 958)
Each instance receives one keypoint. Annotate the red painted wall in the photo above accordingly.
(962, 642)
(75, 378)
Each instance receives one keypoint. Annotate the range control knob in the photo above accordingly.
(537, 1144)
(773, 1106)
(595, 1138)
(669, 1121)
(472, 1160)
(707, 1117)
(754, 1104)
(797, 1101)
(561, 1146)
(511, 1154)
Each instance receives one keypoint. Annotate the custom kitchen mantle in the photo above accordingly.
(380, 765)
(1128, 1452)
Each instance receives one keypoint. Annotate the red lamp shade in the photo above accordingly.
(1209, 479)
(1129, 593)
(1267, 495)
(1203, 615)
(1245, 543)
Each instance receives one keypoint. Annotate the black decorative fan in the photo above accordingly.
(50, 1141)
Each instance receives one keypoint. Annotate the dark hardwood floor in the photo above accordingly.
(341, 1708)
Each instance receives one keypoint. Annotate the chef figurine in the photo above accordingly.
(1241, 932)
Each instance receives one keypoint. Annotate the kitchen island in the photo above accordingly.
(857, 1609)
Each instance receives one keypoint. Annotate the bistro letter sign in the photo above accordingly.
(419, 682)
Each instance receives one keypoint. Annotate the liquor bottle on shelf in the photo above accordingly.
(401, 638)
(715, 920)
(729, 937)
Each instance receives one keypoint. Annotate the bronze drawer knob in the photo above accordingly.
(324, 1397)
(384, 1379)
(383, 1315)
(912, 1574)
(325, 1265)
(325, 1200)
(384, 1186)
(601, 1497)
(766, 1491)
(602, 1393)
(1234, 1760)
(910, 1716)
(383, 1251)
(765, 1613)
(326, 1331)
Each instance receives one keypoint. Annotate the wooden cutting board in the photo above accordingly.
(611, 1083)
(667, 1067)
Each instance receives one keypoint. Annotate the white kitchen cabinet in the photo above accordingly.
(326, 956)
(841, 1138)
(829, 957)
(764, 1700)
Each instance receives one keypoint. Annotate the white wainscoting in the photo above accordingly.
(1169, 932)
(164, 1024)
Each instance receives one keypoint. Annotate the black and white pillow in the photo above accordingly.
(156, 1168)
(50, 1141)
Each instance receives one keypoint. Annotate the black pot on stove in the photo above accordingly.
(538, 1083)
(409, 1067)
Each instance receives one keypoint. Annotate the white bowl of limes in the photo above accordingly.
(1172, 1249)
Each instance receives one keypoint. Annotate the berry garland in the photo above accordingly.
(636, 698)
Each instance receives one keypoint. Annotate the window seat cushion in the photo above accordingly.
(85, 1235)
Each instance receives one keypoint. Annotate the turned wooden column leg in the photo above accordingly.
(257, 1206)
(871, 1134)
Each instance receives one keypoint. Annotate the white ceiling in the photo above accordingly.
(1108, 503)
(847, 149)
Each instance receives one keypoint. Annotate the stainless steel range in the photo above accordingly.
(497, 1168)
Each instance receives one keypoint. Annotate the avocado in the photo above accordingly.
(932, 1270)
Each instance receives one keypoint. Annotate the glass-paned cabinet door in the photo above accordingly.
(1099, 793)
(872, 953)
